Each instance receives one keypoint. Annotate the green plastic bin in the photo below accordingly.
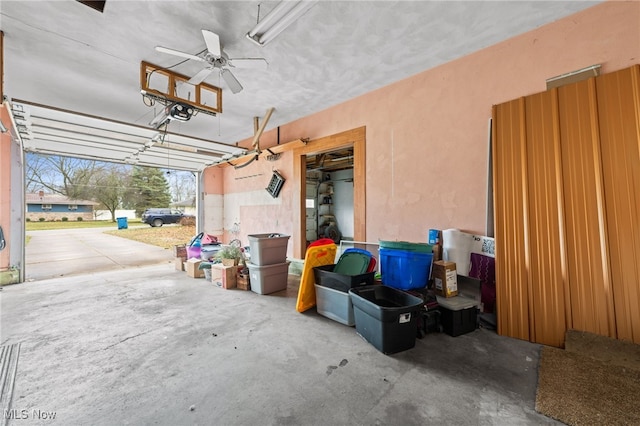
(407, 246)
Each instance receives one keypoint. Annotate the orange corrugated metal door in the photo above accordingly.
(591, 308)
(567, 210)
(509, 183)
(547, 269)
(619, 117)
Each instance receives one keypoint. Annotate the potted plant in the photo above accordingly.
(229, 255)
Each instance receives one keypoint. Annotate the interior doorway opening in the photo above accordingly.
(329, 195)
(343, 156)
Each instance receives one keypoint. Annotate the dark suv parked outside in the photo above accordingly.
(158, 217)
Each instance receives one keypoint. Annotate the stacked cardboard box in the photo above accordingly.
(223, 276)
(180, 250)
(179, 263)
(242, 280)
(180, 256)
(445, 278)
(192, 268)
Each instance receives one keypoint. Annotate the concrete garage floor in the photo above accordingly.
(152, 346)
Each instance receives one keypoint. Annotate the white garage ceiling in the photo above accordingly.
(77, 71)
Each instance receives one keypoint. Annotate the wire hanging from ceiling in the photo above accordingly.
(166, 140)
(218, 115)
(168, 161)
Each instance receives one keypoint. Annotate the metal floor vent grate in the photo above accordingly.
(8, 370)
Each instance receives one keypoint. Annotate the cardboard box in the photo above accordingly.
(242, 282)
(434, 236)
(223, 276)
(179, 263)
(445, 278)
(180, 250)
(191, 266)
(437, 252)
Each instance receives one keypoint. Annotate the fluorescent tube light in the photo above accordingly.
(283, 15)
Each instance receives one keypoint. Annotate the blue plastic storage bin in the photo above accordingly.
(405, 270)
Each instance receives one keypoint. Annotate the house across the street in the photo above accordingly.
(56, 206)
(187, 206)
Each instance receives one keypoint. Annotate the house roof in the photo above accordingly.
(185, 203)
(56, 199)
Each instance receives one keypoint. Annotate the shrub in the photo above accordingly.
(65, 219)
(188, 221)
(41, 219)
(79, 218)
(28, 219)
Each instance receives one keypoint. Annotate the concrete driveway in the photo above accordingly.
(65, 252)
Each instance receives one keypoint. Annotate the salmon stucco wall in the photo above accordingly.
(427, 136)
(237, 197)
(250, 204)
(213, 201)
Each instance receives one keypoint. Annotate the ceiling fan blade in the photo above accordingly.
(212, 41)
(179, 53)
(231, 81)
(200, 76)
(255, 63)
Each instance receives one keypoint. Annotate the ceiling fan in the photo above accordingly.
(216, 58)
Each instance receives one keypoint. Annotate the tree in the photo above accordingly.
(111, 185)
(39, 174)
(149, 188)
(72, 177)
(182, 185)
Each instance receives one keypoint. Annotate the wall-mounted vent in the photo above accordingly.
(275, 185)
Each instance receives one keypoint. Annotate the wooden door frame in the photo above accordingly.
(351, 138)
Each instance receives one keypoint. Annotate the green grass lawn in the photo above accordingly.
(165, 236)
(39, 226)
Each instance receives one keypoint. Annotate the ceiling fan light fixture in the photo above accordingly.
(276, 21)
